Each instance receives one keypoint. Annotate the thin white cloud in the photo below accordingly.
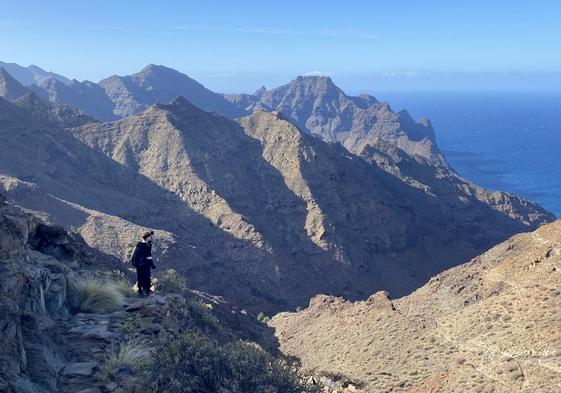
(250, 30)
(272, 31)
(105, 27)
(316, 73)
(400, 73)
(348, 33)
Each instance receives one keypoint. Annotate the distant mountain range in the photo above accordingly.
(314, 104)
(32, 74)
(257, 209)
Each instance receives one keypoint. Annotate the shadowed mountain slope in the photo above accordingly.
(257, 211)
(87, 96)
(491, 325)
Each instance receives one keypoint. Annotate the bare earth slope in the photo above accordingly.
(491, 325)
(256, 211)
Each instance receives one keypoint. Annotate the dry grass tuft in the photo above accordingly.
(94, 295)
(132, 354)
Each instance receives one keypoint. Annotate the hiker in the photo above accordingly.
(142, 260)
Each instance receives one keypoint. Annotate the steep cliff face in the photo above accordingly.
(490, 325)
(36, 262)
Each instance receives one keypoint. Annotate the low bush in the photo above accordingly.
(200, 318)
(126, 289)
(94, 295)
(170, 281)
(194, 363)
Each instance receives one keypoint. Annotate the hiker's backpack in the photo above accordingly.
(135, 258)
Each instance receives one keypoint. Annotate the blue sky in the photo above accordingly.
(240, 45)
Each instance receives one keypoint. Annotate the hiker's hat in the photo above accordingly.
(147, 234)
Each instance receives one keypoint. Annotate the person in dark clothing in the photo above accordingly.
(142, 260)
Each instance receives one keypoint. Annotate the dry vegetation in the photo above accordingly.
(492, 325)
(95, 295)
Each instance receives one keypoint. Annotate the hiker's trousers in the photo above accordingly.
(144, 277)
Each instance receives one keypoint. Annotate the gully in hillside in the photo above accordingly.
(142, 260)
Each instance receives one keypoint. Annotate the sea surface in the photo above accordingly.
(508, 141)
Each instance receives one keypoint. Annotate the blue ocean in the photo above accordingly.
(509, 141)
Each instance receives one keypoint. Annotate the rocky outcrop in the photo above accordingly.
(35, 264)
(488, 325)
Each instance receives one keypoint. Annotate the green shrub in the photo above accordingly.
(194, 363)
(171, 281)
(261, 316)
(94, 295)
(189, 364)
(200, 317)
(129, 325)
(132, 354)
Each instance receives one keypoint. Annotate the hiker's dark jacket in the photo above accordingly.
(142, 260)
(142, 255)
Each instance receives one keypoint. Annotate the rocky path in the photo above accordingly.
(93, 338)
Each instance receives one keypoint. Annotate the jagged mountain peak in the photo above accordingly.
(157, 68)
(314, 79)
(316, 84)
(318, 106)
(260, 91)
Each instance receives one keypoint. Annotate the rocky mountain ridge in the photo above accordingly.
(315, 104)
(257, 211)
